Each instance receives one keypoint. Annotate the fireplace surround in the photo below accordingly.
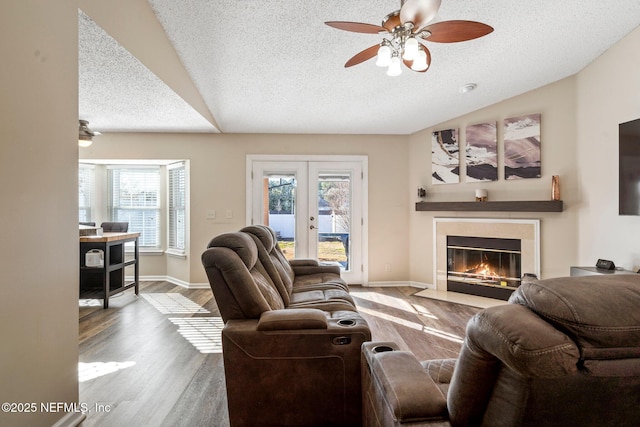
(485, 257)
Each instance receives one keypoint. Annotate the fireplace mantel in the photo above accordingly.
(506, 206)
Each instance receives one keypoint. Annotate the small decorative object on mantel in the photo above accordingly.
(481, 195)
(555, 187)
(422, 193)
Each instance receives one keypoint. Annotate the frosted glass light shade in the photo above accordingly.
(410, 49)
(394, 68)
(384, 56)
(420, 61)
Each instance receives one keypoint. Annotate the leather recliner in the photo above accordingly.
(285, 364)
(563, 352)
(296, 273)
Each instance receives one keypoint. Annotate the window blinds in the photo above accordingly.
(177, 205)
(86, 178)
(134, 197)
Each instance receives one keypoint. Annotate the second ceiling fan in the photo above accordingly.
(406, 30)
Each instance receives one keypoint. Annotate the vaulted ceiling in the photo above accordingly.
(257, 66)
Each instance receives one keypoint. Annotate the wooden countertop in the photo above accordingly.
(108, 237)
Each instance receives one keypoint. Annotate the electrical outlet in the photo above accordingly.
(387, 268)
(229, 214)
(211, 214)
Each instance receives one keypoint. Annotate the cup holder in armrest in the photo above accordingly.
(346, 322)
(382, 349)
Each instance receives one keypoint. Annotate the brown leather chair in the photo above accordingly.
(564, 352)
(285, 364)
(115, 227)
(296, 273)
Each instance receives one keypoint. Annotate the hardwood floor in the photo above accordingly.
(155, 360)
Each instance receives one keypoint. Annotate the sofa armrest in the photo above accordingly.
(304, 269)
(303, 262)
(292, 319)
(410, 393)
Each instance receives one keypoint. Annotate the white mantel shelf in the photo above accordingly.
(506, 206)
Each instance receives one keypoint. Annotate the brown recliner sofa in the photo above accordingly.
(286, 363)
(563, 352)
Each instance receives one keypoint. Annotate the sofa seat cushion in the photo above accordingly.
(328, 300)
(600, 313)
(303, 296)
(440, 371)
(316, 278)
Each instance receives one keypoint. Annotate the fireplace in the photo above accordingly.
(511, 247)
(484, 266)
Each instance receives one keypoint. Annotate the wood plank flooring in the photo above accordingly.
(155, 360)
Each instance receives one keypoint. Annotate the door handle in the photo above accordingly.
(311, 219)
(312, 227)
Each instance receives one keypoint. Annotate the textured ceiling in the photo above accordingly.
(274, 67)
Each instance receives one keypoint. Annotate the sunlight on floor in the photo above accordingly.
(423, 311)
(204, 333)
(89, 371)
(173, 303)
(413, 325)
(383, 299)
(90, 303)
(394, 302)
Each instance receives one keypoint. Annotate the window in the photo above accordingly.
(86, 174)
(177, 206)
(134, 197)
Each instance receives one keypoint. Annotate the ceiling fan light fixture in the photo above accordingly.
(384, 56)
(85, 135)
(420, 61)
(395, 68)
(410, 49)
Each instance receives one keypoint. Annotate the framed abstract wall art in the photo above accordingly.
(522, 147)
(445, 160)
(481, 152)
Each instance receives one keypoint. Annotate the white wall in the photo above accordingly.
(38, 218)
(608, 93)
(557, 105)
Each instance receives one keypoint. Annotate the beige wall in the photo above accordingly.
(557, 105)
(38, 232)
(608, 94)
(217, 180)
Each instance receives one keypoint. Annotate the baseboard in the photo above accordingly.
(72, 419)
(390, 284)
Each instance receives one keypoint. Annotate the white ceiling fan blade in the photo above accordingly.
(420, 12)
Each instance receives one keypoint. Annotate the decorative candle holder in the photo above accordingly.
(481, 195)
(422, 192)
(555, 187)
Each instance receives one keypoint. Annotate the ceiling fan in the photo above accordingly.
(402, 31)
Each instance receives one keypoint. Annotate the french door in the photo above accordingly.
(316, 205)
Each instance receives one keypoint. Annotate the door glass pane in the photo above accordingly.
(334, 218)
(279, 202)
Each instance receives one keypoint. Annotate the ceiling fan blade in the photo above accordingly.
(408, 64)
(456, 31)
(366, 54)
(356, 27)
(420, 12)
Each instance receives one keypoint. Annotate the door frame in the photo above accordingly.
(362, 159)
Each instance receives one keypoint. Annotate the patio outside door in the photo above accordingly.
(315, 207)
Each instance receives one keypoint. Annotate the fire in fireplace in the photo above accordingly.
(483, 266)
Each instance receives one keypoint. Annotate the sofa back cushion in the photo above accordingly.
(241, 285)
(600, 313)
(268, 238)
